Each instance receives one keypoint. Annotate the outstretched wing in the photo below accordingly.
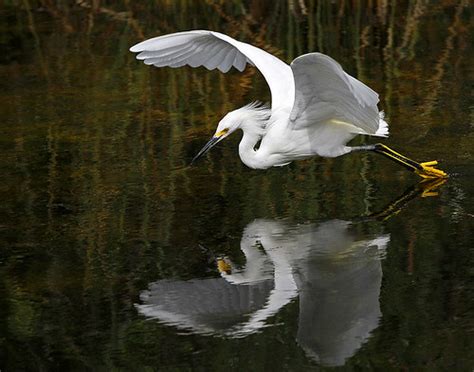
(214, 50)
(324, 93)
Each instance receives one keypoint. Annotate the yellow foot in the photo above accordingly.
(428, 171)
(425, 170)
(428, 187)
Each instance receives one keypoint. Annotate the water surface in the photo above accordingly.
(118, 255)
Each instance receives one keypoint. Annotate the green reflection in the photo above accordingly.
(98, 200)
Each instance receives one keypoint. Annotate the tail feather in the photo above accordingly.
(383, 126)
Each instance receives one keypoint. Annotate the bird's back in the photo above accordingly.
(330, 108)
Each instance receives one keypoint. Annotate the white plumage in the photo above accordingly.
(316, 106)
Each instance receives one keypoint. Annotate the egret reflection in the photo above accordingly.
(332, 269)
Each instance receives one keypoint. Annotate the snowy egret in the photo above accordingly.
(316, 109)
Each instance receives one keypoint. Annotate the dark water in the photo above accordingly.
(118, 256)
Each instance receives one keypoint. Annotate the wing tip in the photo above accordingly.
(136, 48)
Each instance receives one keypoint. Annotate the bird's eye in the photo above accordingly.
(222, 132)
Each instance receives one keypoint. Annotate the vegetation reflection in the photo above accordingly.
(98, 200)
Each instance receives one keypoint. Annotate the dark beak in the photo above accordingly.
(213, 141)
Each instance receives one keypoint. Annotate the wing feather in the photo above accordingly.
(169, 60)
(227, 63)
(166, 52)
(215, 50)
(240, 62)
(324, 92)
(218, 58)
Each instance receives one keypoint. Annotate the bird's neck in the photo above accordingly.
(253, 122)
(247, 152)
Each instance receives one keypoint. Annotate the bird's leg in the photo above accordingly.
(424, 170)
(426, 188)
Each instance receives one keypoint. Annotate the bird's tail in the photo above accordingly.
(383, 126)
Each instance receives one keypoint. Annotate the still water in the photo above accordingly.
(116, 255)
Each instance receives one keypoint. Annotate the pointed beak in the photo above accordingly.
(212, 142)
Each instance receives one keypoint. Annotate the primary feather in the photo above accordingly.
(215, 50)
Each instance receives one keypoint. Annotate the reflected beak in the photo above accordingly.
(224, 266)
(212, 142)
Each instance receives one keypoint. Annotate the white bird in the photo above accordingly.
(316, 109)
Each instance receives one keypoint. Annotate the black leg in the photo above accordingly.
(424, 170)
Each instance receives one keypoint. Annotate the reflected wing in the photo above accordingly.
(324, 92)
(339, 286)
(214, 50)
(209, 306)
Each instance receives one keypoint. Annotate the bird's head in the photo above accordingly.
(251, 117)
(229, 124)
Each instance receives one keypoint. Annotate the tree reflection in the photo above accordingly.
(98, 200)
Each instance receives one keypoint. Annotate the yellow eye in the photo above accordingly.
(222, 132)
